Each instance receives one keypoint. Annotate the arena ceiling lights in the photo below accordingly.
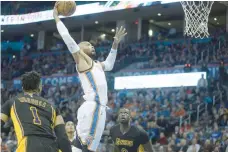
(85, 9)
(158, 81)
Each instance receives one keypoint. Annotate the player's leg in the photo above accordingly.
(90, 126)
(99, 129)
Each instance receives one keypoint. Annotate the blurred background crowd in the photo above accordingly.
(180, 119)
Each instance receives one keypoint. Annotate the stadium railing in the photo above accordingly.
(185, 118)
(200, 108)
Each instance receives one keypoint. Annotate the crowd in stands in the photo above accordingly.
(155, 54)
(158, 111)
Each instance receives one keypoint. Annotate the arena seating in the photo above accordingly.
(174, 118)
(156, 110)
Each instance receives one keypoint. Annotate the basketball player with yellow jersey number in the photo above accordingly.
(35, 120)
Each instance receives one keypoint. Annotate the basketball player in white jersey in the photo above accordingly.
(92, 113)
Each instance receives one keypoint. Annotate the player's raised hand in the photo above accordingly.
(120, 33)
(55, 11)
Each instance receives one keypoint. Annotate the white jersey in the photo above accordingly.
(94, 84)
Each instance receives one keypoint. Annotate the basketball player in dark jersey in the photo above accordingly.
(128, 138)
(35, 120)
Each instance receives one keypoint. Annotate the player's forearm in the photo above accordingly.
(62, 139)
(69, 41)
(110, 60)
(115, 45)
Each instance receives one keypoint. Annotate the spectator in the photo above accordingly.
(194, 147)
(162, 140)
(216, 134)
(180, 112)
(182, 147)
(186, 127)
(208, 146)
(224, 121)
(202, 83)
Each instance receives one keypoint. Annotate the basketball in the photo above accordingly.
(66, 8)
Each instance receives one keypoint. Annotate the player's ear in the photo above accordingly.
(40, 87)
(118, 119)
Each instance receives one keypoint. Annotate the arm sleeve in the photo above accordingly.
(62, 139)
(5, 109)
(69, 41)
(110, 60)
(144, 138)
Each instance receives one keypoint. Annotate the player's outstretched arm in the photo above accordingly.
(108, 64)
(83, 61)
(62, 139)
(63, 31)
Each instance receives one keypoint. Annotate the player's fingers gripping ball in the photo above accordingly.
(65, 8)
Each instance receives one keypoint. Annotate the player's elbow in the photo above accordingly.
(108, 66)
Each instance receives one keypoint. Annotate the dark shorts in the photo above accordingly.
(37, 144)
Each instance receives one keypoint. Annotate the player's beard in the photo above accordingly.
(93, 56)
(125, 123)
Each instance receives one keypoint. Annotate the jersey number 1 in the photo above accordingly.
(36, 119)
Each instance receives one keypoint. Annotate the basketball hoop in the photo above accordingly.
(196, 17)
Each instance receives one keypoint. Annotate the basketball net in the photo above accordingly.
(196, 18)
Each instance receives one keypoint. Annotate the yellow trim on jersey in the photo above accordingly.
(141, 148)
(17, 124)
(22, 147)
(53, 117)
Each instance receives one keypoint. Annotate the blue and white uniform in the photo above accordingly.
(92, 113)
(93, 110)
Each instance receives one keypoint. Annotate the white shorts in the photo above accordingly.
(91, 123)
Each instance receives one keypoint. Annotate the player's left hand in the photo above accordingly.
(120, 33)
